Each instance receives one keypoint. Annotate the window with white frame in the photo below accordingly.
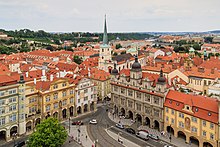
(64, 102)
(2, 93)
(12, 99)
(2, 121)
(147, 98)
(71, 91)
(181, 115)
(63, 84)
(167, 119)
(181, 124)
(212, 136)
(47, 98)
(204, 123)
(172, 112)
(122, 90)
(2, 102)
(203, 133)
(55, 105)
(85, 90)
(71, 100)
(13, 91)
(55, 86)
(12, 117)
(78, 100)
(167, 110)
(55, 96)
(86, 98)
(138, 95)
(194, 129)
(48, 108)
(211, 125)
(172, 121)
(194, 119)
(2, 110)
(130, 92)
(64, 93)
(32, 109)
(12, 108)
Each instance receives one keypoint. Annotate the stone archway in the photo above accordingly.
(13, 130)
(48, 115)
(207, 144)
(194, 140)
(156, 125)
(55, 114)
(122, 111)
(170, 130)
(85, 109)
(138, 118)
(181, 135)
(28, 126)
(92, 106)
(130, 114)
(79, 110)
(71, 110)
(147, 121)
(64, 113)
(3, 135)
(37, 121)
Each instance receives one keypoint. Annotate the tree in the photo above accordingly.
(77, 59)
(208, 39)
(123, 52)
(50, 133)
(117, 46)
(196, 46)
(115, 54)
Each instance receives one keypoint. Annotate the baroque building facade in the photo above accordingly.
(139, 95)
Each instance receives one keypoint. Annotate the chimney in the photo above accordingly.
(212, 71)
(26, 74)
(58, 74)
(51, 77)
(201, 69)
(74, 76)
(162, 65)
(35, 81)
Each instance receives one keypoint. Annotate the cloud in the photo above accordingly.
(123, 15)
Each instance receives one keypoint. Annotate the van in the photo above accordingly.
(143, 135)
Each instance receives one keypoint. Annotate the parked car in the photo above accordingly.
(19, 144)
(143, 135)
(130, 130)
(155, 137)
(120, 126)
(93, 121)
(77, 123)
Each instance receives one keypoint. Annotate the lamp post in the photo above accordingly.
(96, 142)
(14, 135)
(170, 133)
(69, 124)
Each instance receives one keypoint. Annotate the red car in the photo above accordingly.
(77, 123)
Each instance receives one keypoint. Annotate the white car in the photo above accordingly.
(93, 121)
(120, 126)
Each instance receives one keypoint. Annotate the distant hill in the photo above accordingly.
(215, 31)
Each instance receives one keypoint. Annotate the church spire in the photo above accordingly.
(105, 36)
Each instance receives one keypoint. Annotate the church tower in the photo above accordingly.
(105, 57)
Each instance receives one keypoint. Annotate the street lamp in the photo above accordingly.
(96, 142)
(69, 124)
(14, 135)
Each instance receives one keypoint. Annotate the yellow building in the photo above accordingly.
(192, 117)
(102, 80)
(49, 98)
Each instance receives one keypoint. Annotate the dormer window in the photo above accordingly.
(197, 109)
(170, 101)
(177, 104)
(187, 107)
(209, 113)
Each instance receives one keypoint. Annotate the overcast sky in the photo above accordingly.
(122, 15)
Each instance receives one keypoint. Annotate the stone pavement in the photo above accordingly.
(125, 143)
(179, 142)
(79, 134)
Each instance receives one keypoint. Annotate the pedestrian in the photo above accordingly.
(86, 137)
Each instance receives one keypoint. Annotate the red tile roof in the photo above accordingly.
(205, 105)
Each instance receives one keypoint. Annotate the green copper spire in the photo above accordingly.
(105, 36)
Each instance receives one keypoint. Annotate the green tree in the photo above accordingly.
(77, 59)
(50, 133)
(123, 52)
(115, 54)
(196, 46)
(117, 46)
